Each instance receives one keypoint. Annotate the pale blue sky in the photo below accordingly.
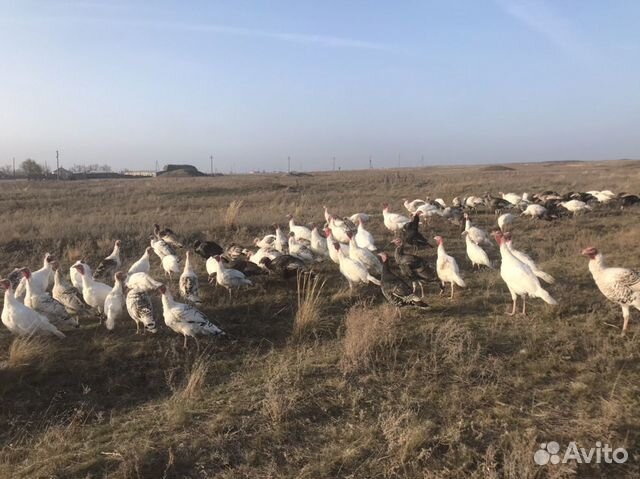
(252, 82)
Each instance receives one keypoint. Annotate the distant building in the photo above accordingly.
(62, 174)
(140, 173)
(180, 171)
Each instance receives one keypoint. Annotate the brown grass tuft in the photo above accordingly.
(232, 213)
(370, 336)
(25, 351)
(309, 319)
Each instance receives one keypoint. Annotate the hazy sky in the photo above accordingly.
(252, 82)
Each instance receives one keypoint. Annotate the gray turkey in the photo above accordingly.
(396, 290)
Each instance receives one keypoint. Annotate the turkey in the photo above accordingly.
(393, 221)
(447, 268)
(412, 267)
(618, 285)
(235, 251)
(69, 296)
(300, 232)
(476, 254)
(44, 304)
(477, 235)
(339, 229)
(364, 239)
(207, 249)
(23, 321)
(40, 279)
(299, 250)
(108, 266)
(412, 206)
(285, 265)
(254, 260)
(511, 198)
(229, 278)
(160, 247)
(411, 235)
(76, 277)
(547, 278)
(575, 206)
(185, 319)
(267, 241)
(282, 242)
(333, 254)
(188, 284)
(354, 271)
(140, 308)
(395, 290)
(356, 217)
(519, 278)
(143, 265)
(505, 220)
(318, 243)
(93, 292)
(170, 265)
(535, 211)
(167, 236)
(142, 281)
(114, 302)
(364, 256)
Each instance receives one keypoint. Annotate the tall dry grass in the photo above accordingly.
(28, 350)
(371, 333)
(309, 319)
(232, 213)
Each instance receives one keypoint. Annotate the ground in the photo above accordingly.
(357, 390)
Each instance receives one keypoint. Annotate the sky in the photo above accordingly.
(129, 83)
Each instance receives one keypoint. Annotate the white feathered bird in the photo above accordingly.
(114, 302)
(393, 221)
(94, 293)
(447, 267)
(143, 265)
(364, 239)
(142, 282)
(477, 235)
(476, 254)
(44, 304)
(547, 278)
(519, 278)
(40, 279)
(354, 271)
(188, 284)
(364, 256)
(171, 264)
(300, 232)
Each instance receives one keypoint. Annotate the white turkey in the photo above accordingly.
(23, 321)
(512, 198)
(256, 257)
(114, 302)
(282, 241)
(319, 243)
(76, 277)
(354, 271)
(477, 235)
(300, 232)
(364, 217)
(505, 220)
(185, 319)
(160, 247)
(140, 308)
(143, 265)
(447, 267)
(333, 254)
(44, 304)
(229, 278)
(109, 265)
(188, 284)
(393, 221)
(267, 241)
(575, 206)
(364, 256)
(171, 264)
(519, 278)
(40, 279)
(476, 254)
(412, 206)
(547, 278)
(93, 292)
(142, 281)
(299, 250)
(339, 229)
(618, 285)
(364, 239)
(535, 211)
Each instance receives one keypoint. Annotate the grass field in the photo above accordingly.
(462, 390)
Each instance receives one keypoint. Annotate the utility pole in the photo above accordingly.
(156, 167)
(14, 167)
(370, 164)
(422, 161)
(334, 163)
(58, 164)
(211, 161)
(288, 164)
(398, 160)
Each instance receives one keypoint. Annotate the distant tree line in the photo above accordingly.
(32, 170)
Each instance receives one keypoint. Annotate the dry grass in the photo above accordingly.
(26, 351)
(371, 333)
(460, 391)
(232, 213)
(309, 319)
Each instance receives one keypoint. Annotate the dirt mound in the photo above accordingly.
(181, 173)
(498, 168)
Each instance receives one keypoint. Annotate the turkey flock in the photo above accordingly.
(42, 301)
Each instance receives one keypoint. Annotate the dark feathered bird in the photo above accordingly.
(207, 249)
(411, 235)
(167, 235)
(285, 265)
(412, 267)
(396, 290)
